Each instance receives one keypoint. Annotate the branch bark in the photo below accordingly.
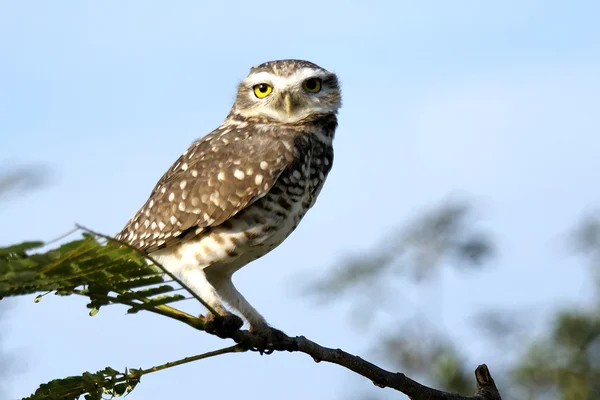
(486, 387)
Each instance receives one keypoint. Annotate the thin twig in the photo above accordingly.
(137, 374)
(231, 349)
(64, 235)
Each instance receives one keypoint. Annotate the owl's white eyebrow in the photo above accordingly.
(281, 82)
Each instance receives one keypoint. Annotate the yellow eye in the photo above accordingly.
(262, 90)
(312, 85)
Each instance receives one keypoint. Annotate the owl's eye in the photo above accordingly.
(262, 90)
(312, 85)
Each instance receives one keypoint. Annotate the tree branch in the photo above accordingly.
(486, 387)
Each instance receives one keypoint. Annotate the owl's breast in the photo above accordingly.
(280, 211)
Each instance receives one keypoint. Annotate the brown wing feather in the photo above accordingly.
(218, 176)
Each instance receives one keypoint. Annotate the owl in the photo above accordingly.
(240, 191)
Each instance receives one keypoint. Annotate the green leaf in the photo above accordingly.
(76, 264)
(104, 272)
(90, 385)
(19, 248)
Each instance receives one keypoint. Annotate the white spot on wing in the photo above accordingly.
(239, 174)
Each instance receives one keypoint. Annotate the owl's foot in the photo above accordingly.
(271, 339)
(222, 326)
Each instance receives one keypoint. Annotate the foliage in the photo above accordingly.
(13, 181)
(91, 385)
(5, 359)
(107, 273)
(418, 349)
(86, 267)
(108, 382)
(565, 362)
(445, 234)
(21, 179)
(561, 363)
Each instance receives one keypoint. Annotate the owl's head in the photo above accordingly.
(288, 92)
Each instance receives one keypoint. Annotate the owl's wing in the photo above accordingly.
(217, 177)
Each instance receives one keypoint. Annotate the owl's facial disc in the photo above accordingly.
(288, 96)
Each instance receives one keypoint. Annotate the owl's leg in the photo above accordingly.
(221, 325)
(258, 325)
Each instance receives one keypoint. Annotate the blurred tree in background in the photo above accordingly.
(13, 182)
(563, 362)
(5, 357)
(20, 180)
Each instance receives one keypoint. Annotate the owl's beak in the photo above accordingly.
(288, 104)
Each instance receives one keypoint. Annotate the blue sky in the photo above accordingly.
(495, 101)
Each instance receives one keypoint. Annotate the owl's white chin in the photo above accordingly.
(284, 117)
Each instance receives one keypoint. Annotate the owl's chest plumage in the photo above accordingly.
(271, 219)
(297, 188)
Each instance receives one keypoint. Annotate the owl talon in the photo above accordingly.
(222, 326)
(272, 339)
